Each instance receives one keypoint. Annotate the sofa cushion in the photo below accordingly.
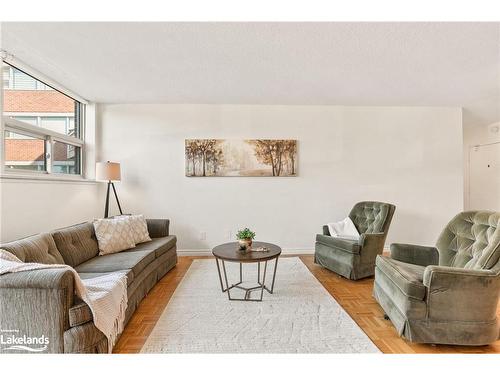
(79, 313)
(85, 338)
(136, 261)
(350, 246)
(89, 275)
(77, 243)
(39, 248)
(159, 245)
(407, 277)
(158, 227)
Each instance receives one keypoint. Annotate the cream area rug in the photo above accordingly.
(300, 317)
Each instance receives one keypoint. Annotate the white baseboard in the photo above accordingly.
(205, 252)
(291, 251)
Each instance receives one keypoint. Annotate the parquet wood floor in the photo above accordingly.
(354, 296)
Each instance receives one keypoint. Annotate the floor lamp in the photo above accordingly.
(109, 171)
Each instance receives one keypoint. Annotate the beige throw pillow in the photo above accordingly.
(139, 228)
(113, 235)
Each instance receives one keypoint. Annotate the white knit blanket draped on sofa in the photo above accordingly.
(106, 295)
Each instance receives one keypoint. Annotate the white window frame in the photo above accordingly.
(9, 124)
(49, 136)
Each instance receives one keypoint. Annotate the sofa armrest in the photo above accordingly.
(36, 303)
(415, 254)
(158, 227)
(372, 244)
(461, 294)
(326, 231)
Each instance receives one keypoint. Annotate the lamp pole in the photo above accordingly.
(106, 209)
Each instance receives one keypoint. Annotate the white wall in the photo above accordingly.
(29, 207)
(411, 156)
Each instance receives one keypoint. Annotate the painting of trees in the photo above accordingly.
(204, 153)
(251, 158)
(279, 154)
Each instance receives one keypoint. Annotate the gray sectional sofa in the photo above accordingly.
(42, 302)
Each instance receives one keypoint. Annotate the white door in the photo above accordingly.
(484, 183)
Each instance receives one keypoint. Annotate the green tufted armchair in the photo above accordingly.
(446, 294)
(356, 259)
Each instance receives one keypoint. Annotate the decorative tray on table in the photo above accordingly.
(260, 249)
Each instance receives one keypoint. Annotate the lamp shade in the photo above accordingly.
(107, 171)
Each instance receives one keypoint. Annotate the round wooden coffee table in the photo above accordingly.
(229, 252)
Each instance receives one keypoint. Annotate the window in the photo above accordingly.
(43, 126)
(16, 79)
(66, 158)
(25, 152)
(28, 119)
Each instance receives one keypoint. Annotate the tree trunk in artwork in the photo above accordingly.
(273, 161)
(280, 163)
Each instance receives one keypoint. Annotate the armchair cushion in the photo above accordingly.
(407, 277)
(471, 240)
(415, 254)
(372, 217)
(350, 246)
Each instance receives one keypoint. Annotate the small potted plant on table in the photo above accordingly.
(245, 237)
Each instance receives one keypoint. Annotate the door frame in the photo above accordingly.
(467, 203)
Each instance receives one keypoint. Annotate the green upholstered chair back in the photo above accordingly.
(372, 217)
(471, 240)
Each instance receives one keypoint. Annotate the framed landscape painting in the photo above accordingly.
(233, 158)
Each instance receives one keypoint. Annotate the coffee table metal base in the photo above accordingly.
(261, 285)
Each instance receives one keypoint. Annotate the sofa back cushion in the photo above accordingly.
(39, 248)
(372, 217)
(471, 240)
(77, 243)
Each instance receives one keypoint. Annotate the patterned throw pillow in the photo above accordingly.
(139, 228)
(113, 235)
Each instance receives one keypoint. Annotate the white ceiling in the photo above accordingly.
(455, 64)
